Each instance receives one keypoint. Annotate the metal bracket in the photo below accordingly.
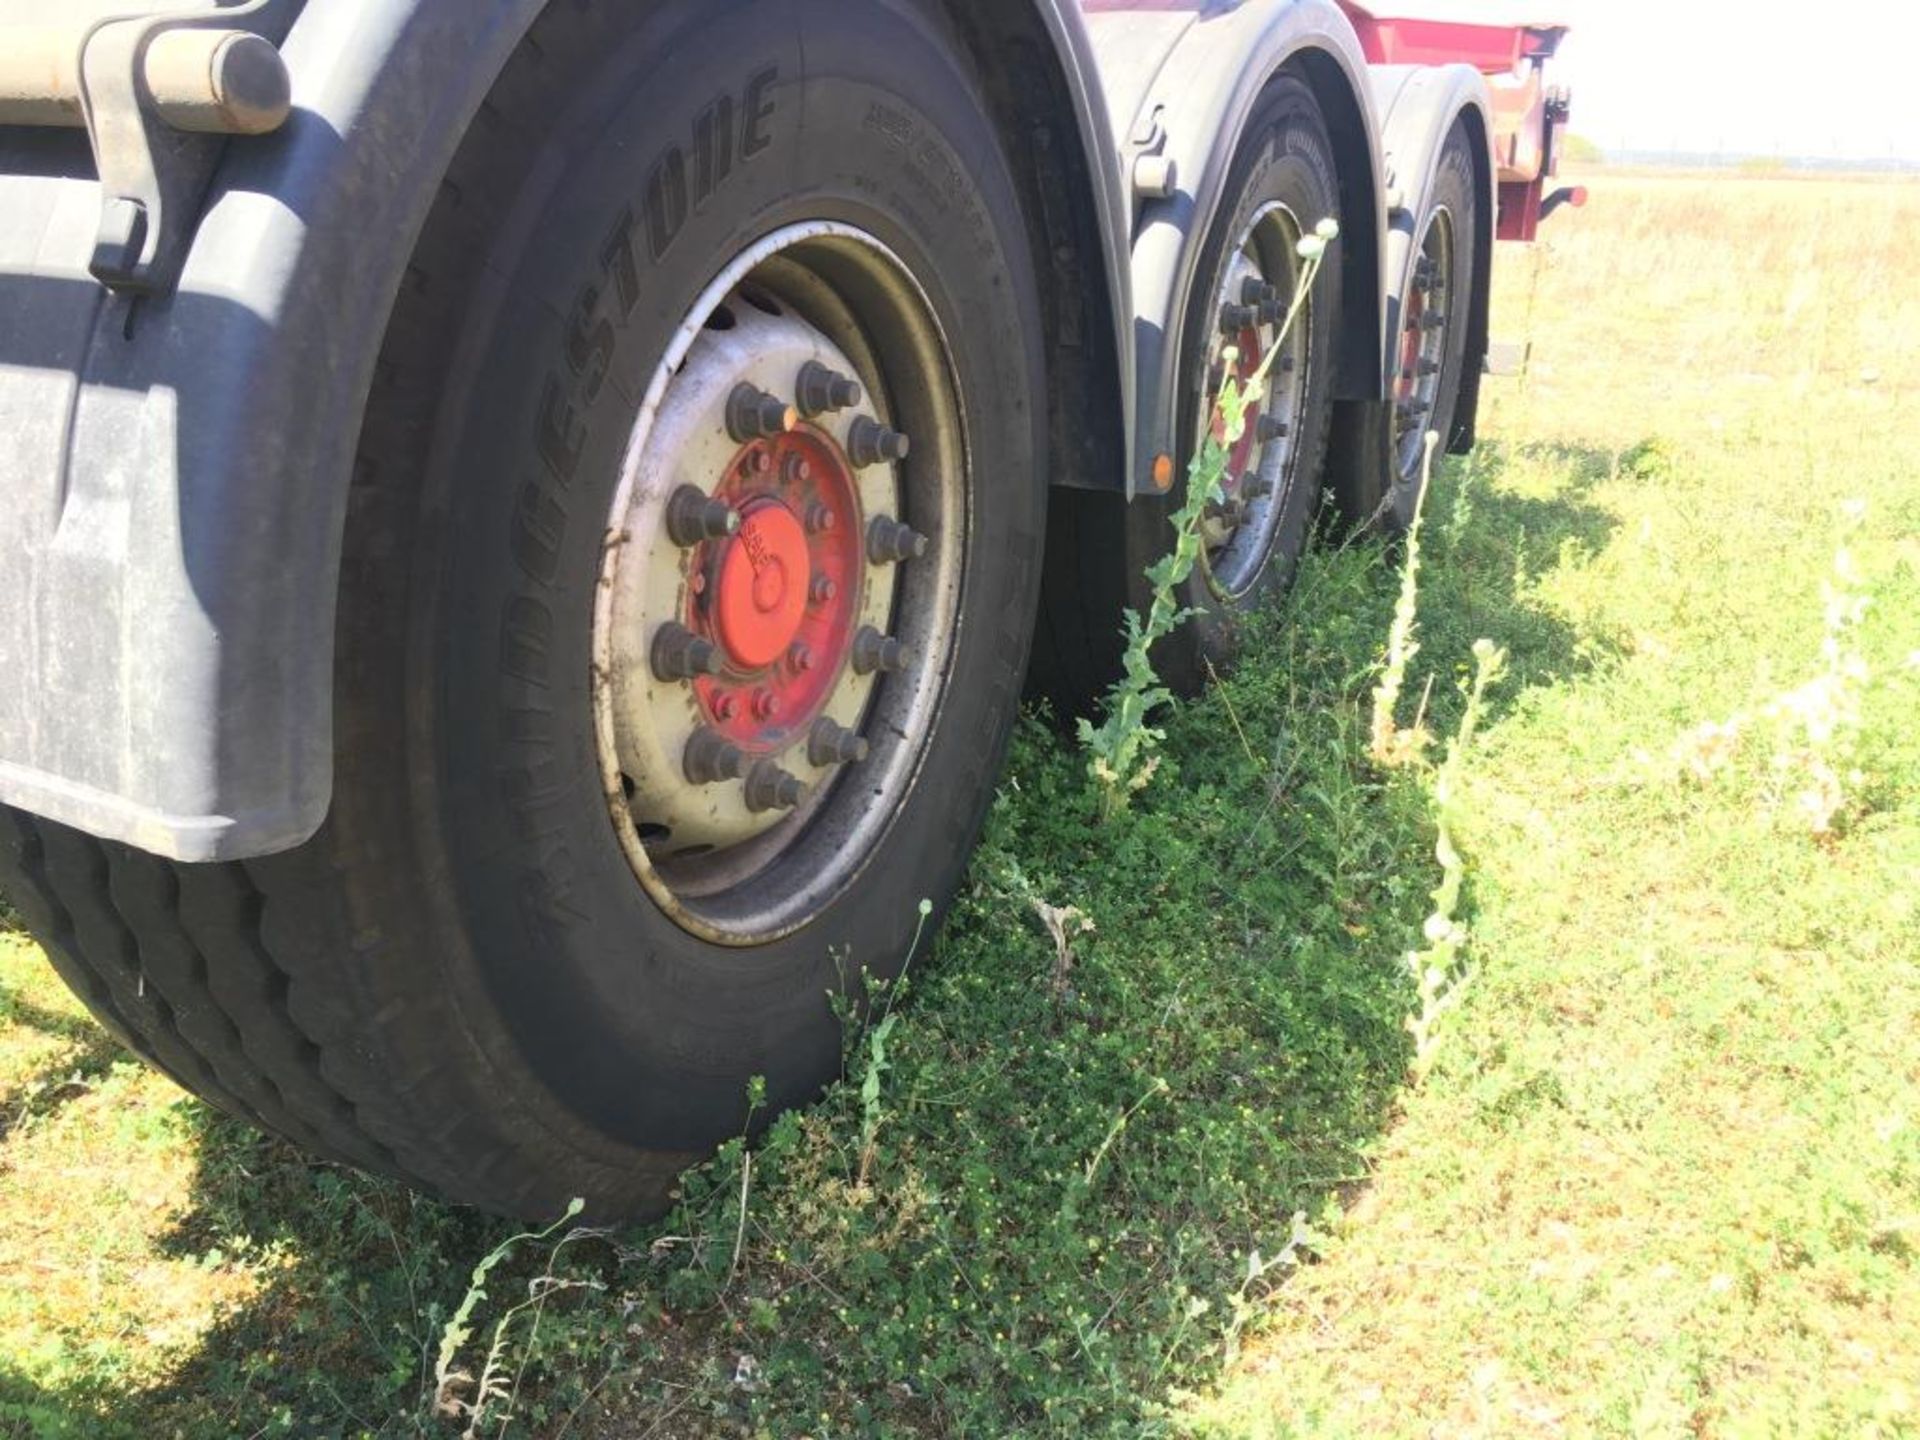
(153, 176)
(1156, 175)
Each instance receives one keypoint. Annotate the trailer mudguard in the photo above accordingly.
(174, 470)
(1197, 72)
(1419, 106)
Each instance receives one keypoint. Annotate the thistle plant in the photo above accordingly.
(1121, 747)
(1816, 725)
(458, 1393)
(1390, 745)
(1437, 969)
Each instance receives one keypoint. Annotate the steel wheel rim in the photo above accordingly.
(1425, 327)
(750, 876)
(1262, 487)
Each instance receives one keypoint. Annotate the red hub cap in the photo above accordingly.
(779, 595)
(763, 585)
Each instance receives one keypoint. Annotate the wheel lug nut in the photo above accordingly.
(752, 414)
(829, 743)
(1255, 487)
(1255, 291)
(869, 443)
(821, 389)
(800, 656)
(771, 788)
(1272, 312)
(679, 654)
(710, 758)
(822, 590)
(1270, 427)
(760, 462)
(820, 518)
(873, 651)
(766, 705)
(1287, 364)
(799, 469)
(1235, 318)
(889, 541)
(693, 516)
(725, 706)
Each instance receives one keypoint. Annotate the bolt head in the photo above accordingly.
(1235, 318)
(871, 443)
(725, 706)
(822, 590)
(800, 656)
(766, 705)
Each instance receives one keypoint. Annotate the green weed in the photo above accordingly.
(459, 1394)
(1437, 969)
(1121, 747)
(1390, 745)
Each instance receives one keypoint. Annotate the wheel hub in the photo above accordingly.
(780, 585)
(741, 585)
(781, 596)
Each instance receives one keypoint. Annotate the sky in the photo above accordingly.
(1839, 79)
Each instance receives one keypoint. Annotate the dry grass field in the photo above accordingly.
(1662, 1176)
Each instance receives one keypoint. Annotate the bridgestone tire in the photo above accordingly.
(1369, 480)
(1099, 548)
(459, 981)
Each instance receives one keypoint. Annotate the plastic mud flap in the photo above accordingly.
(172, 466)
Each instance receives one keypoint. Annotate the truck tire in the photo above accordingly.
(1281, 184)
(1376, 458)
(690, 567)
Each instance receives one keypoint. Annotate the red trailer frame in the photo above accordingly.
(1529, 117)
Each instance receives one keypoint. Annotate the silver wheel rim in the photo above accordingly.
(719, 865)
(1425, 325)
(1263, 484)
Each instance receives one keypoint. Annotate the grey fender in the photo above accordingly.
(174, 470)
(1420, 106)
(1200, 75)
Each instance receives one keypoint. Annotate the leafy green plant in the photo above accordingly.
(1390, 745)
(872, 1111)
(1438, 970)
(459, 1394)
(1121, 747)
